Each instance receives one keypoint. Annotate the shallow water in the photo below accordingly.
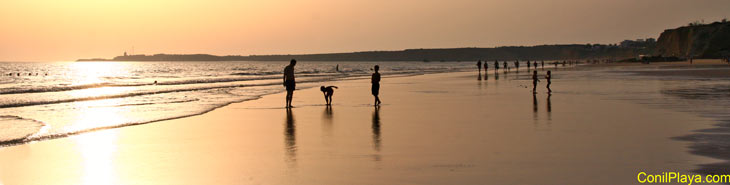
(75, 97)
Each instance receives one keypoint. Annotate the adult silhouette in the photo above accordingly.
(289, 82)
(375, 80)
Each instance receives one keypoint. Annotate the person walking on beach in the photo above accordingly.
(542, 64)
(486, 67)
(517, 65)
(528, 66)
(479, 66)
(505, 65)
(496, 65)
(289, 82)
(548, 77)
(375, 80)
(328, 92)
(534, 82)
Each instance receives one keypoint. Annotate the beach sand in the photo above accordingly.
(448, 128)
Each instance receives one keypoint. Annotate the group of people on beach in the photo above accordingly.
(328, 91)
(506, 67)
(535, 79)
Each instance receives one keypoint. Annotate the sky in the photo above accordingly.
(65, 30)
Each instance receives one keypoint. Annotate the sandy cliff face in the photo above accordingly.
(706, 41)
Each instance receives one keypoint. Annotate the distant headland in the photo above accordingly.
(696, 40)
(543, 52)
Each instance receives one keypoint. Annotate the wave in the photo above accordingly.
(90, 98)
(107, 84)
(14, 128)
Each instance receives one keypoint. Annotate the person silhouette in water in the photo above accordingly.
(496, 65)
(328, 92)
(548, 77)
(289, 82)
(376, 85)
(534, 81)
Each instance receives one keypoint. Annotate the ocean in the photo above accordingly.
(49, 100)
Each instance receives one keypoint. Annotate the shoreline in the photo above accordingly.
(428, 131)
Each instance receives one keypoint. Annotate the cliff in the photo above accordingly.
(699, 41)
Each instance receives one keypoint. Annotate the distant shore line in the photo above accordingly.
(541, 52)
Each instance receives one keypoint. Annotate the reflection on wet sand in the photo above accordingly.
(534, 104)
(549, 109)
(327, 119)
(376, 132)
(290, 139)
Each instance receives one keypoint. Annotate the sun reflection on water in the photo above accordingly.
(95, 72)
(98, 150)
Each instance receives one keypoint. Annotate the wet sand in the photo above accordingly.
(449, 128)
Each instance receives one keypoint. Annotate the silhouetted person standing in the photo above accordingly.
(528, 66)
(496, 65)
(548, 77)
(505, 65)
(328, 92)
(534, 81)
(376, 85)
(289, 82)
(486, 67)
(479, 66)
(542, 64)
(517, 65)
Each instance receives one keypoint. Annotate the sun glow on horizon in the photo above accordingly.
(73, 29)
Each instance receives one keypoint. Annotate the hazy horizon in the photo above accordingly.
(49, 30)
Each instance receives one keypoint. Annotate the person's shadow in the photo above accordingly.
(290, 139)
(376, 133)
(327, 122)
(534, 107)
(376, 128)
(549, 109)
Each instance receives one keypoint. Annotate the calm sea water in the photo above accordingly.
(48, 100)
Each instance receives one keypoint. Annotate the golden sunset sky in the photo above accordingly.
(59, 30)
